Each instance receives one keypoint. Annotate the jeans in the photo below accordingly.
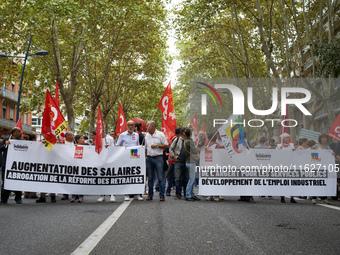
(190, 187)
(181, 177)
(155, 166)
(156, 181)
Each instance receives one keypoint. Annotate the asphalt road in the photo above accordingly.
(172, 227)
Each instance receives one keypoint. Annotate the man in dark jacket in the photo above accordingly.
(15, 134)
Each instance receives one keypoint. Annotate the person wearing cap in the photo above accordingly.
(272, 143)
(286, 145)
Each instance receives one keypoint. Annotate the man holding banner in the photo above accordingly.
(286, 145)
(155, 142)
(128, 139)
(15, 134)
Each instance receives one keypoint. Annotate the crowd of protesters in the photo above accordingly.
(170, 165)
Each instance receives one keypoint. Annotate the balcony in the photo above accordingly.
(6, 93)
(9, 124)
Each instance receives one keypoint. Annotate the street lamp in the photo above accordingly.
(38, 53)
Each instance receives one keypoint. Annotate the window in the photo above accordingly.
(13, 87)
(34, 121)
(25, 118)
(4, 112)
(11, 113)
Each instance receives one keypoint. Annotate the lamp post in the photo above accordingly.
(38, 53)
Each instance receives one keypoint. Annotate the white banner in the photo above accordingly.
(69, 169)
(311, 135)
(267, 172)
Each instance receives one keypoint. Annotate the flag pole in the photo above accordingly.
(153, 115)
(211, 138)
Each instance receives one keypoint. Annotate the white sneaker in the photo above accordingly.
(101, 199)
(112, 198)
(139, 197)
(127, 198)
(217, 198)
(314, 201)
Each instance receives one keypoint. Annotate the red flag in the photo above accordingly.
(193, 124)
(166, 105)
(203, 128)
(168, 132)
(121, 122)
(19, 125)
(53, 123)
(56, 95)
(99, 132)
(334, 131)
(62, 137)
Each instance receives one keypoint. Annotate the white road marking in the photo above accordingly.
(325, 205)
(331, 206)
(90, 243)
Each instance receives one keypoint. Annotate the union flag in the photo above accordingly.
(121, 122)
(53, 123)
(62, 137)
(334, 131)
(166, 105)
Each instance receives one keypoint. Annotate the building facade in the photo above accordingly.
(8, 106)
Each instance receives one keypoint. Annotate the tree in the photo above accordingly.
(84, 39)
(256, 38)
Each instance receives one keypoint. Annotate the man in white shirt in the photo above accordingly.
(107, 141)
(155, 142)
(129, 138)
(69, 138)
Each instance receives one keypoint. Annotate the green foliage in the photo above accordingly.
(90, 44)
(328, 57)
